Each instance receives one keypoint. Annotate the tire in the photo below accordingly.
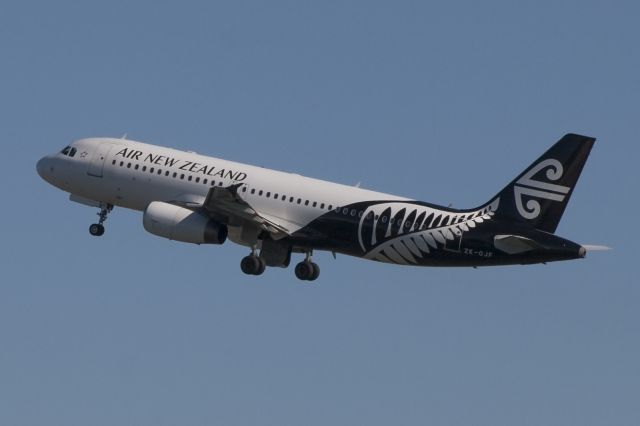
(262, 266)
(250, 265)
(316, 272)
(304, 271)
(96, 229)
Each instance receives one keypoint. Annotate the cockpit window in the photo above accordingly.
(69, 151)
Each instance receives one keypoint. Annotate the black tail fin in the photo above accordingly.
(540, 194)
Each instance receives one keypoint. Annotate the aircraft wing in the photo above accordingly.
(226, 204)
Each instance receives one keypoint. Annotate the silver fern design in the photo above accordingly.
(403, 233)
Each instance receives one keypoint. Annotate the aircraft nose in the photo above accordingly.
(42, 167)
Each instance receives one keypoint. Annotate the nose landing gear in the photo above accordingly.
(97, 229)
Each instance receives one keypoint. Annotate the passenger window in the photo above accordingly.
(275, 196)
(244, 189)
(291, 199)
(197, 180)
(322, 205)
(175, 174)
(260, 193)
(306, 203)
(345, 211)
(151, 170)
(330, 207)
(144, 168)
(253, 191)
(205, 181)
(314, 204)
(299, 200)
(159, 171)
(128, 165)
(166, 173)
(182, 176)
(121, 163)
(113, 162)
(190, 177)
(268, 194)
(284, 198)
(137, 166)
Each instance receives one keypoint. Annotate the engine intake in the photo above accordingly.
(181, 224)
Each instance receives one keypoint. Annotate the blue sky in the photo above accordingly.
(444, 102)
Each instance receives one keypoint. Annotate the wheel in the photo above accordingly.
(262, 266)
(252, 265)
(249, 264)
(96, 229)
(304, 270)
(316, 272)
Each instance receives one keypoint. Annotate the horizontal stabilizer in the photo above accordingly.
(514, 244)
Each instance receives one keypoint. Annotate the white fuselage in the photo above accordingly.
(205, 200)
(132, 174)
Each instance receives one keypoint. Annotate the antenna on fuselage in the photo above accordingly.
(124, 136)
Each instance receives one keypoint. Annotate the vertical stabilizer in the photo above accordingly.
(541, 193)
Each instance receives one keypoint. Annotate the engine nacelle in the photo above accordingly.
(180, 224)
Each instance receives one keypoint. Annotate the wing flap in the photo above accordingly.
(226, 202)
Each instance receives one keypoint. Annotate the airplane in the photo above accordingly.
(198, 199)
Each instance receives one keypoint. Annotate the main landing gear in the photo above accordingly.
(253, 264)
(307, 270)
(97, 229)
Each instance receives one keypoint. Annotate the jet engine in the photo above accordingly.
(181, 224)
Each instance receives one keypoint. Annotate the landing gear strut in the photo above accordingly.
(97, 229)
(307, 270)
(252, 264)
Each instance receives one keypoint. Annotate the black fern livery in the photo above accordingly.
(198, 199)
(515, 227)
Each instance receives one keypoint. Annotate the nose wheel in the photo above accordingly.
(97, 229)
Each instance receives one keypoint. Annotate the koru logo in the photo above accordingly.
(527, 186)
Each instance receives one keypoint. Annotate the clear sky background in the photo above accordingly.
(444, 102)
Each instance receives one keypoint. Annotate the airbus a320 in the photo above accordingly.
(198, 199)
